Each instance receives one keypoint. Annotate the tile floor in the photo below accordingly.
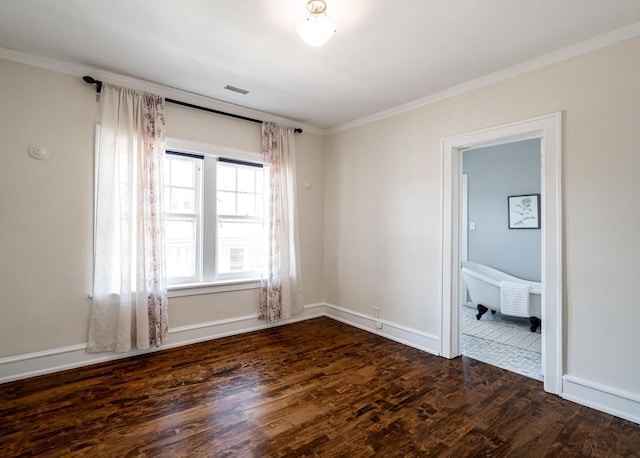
(527, 363)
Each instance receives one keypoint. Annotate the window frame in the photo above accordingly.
(196, 216)
(220, 218)
(210, 281)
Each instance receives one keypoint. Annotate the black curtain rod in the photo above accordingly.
(98, 83)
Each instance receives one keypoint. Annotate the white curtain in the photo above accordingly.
(129, 291)
(281, 284)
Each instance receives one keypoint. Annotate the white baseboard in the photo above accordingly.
(606, 399)
(600, 397)
(58, 359)
(63, 358)
(399, 333)
(186, 335)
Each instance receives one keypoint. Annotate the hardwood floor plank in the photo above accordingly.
(317, 388)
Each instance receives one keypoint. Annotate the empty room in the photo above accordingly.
(319, 228)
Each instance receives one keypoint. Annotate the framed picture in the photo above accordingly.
(524, 211)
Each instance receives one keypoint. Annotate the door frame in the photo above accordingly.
(548, 129)
(464, 234)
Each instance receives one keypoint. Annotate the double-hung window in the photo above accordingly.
(240, 221)
(214, 218)
(183, 217)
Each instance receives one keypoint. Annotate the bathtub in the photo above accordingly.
(483, 283)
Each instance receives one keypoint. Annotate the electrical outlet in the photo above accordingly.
(378, 325)
(376, 312)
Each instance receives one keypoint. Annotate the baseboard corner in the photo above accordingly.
(390, 330)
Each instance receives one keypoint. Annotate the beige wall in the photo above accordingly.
(46, 209)
(46, 222)
(370, 222)
(382, 205)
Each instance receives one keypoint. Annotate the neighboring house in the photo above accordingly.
(369, 215)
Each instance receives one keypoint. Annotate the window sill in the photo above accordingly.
(195, 289)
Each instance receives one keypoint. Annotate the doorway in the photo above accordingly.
(548, 130)
(488, 244)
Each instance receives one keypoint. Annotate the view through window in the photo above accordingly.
(214, 218)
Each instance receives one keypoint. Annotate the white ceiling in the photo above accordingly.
(384, 54)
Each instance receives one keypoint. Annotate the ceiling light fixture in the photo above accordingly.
(317, 28)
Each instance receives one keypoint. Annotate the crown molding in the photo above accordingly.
(80, 70)
(568, 52)
(559, 55)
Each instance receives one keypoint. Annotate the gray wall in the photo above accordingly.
(495, 173)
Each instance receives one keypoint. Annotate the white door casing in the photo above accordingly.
(548, 129)
(464, 233)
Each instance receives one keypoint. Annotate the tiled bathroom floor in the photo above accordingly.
(527, 363)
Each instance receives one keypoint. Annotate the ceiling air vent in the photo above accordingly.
(236, 89)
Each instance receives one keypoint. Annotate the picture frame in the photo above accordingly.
(524, 211)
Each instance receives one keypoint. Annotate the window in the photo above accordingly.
(214, 218)
(182, 218)
(240, 217)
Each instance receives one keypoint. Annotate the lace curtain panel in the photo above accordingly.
(130, 294)
(281, 283)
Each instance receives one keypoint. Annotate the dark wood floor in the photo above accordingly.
(315, 388)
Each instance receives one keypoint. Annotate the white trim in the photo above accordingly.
(197, 289)
(553, 57)
(41, 354)
(464, 234)
(559, 55)
(393, 331)
(352, 318)
(548, 129)
(58, 359)
(200, 332)
(143, 85)
(600, 397)
(616, 402)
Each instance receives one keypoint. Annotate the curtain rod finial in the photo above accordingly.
(91, 80)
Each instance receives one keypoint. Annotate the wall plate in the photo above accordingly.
(38, 151)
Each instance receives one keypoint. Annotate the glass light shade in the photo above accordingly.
(316, 29)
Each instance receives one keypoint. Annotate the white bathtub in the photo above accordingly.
(483, 284)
